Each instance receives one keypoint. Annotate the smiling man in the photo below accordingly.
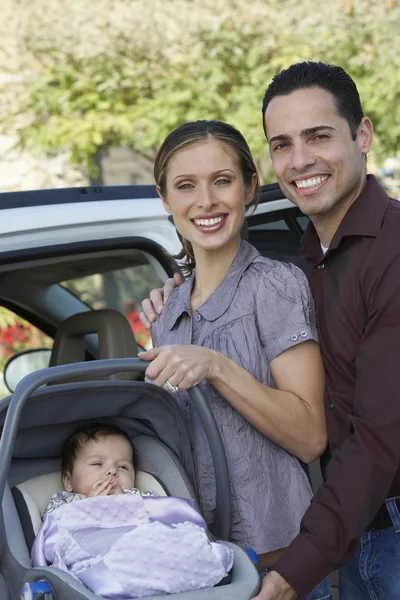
(319, 139)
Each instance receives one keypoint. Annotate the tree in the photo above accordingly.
(104, 73)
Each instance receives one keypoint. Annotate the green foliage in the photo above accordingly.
(101, 73)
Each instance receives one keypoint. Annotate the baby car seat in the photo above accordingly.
(36, 423)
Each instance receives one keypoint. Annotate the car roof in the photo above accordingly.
(12, 200)
(24, 199)
(46, 218)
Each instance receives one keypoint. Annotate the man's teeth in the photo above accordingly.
(307, 183)
(208, 222)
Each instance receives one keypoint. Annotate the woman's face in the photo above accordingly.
(206, 194)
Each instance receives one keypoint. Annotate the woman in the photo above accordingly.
(243, 327)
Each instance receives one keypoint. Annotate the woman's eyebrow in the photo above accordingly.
(188, 175)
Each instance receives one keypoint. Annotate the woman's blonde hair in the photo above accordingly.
(196, 131)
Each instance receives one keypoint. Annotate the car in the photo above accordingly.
(69, 251)
(63, 252)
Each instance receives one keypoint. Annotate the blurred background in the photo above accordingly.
(90, 88)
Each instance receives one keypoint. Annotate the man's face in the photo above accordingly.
(319, 167)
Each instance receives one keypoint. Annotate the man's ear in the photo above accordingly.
(164, 201)
(67, 482)
(365, 135)
(250, 190)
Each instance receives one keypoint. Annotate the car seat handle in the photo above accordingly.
(222, 517)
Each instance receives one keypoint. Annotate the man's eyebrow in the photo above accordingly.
(284, 137)
(312, 130)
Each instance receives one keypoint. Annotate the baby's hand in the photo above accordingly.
(102, 487)
(117, 490)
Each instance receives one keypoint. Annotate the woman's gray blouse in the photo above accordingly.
(261, 308)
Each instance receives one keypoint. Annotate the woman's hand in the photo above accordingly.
(183, 366)
(291, 414)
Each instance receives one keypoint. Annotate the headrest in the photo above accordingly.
(32, 496)
(116, 339)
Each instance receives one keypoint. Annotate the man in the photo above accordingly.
(319, 140)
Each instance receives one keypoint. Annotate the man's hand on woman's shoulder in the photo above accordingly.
(154, 305)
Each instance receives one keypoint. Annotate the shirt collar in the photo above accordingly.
(221, 299)
(363, 218)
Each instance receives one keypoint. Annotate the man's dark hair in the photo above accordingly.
(333, 79)
(84, 434)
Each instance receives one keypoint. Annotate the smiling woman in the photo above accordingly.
(208, 204)
(244, 327)
(225, 175)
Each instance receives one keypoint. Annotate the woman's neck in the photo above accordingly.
(211, 268)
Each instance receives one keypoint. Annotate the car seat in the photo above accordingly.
(36, 423)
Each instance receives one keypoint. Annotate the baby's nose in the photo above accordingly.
(111, 471)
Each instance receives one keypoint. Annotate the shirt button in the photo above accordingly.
(321, 266)
(197, 317)
(294, 338)
(304, 334)
(332, 405)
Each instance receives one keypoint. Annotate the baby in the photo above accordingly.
(97, 460)
(119, 542)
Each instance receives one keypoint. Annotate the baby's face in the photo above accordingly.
(107, 458)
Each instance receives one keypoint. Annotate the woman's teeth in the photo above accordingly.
(208, 222)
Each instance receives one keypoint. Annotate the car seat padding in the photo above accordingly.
(26, 515)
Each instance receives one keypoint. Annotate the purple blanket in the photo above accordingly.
(124, 546)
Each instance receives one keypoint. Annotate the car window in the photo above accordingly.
(275, 240)
(17, 335)
(119, 289)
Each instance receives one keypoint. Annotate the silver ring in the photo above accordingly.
(172, 388)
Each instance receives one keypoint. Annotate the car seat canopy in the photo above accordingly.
(138, 408)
